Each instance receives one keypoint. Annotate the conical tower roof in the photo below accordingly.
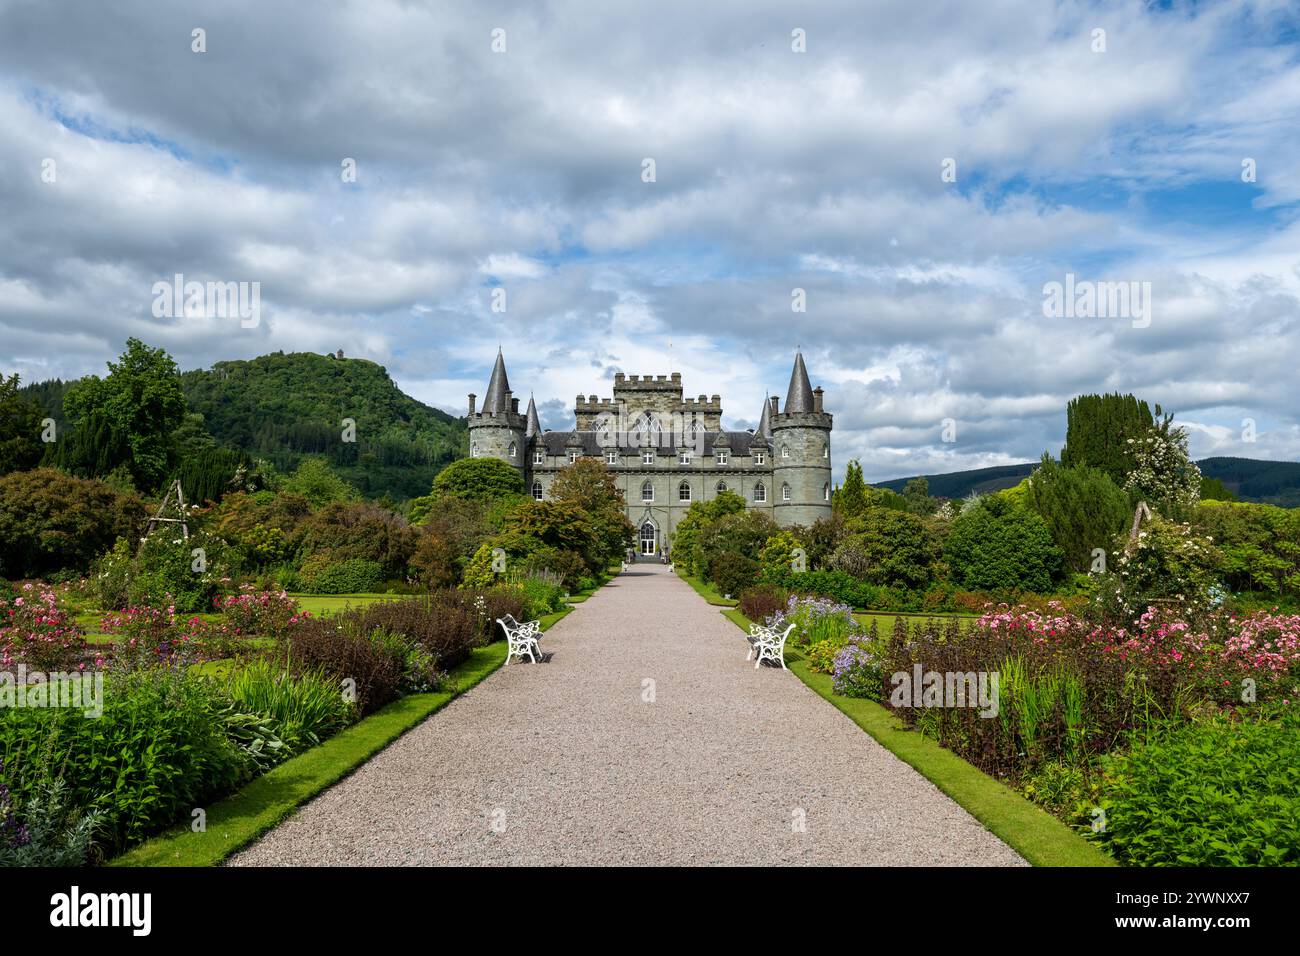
(765, 420)
(534, 427)
(498, 385)
(800, 396)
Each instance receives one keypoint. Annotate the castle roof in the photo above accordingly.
(534, 427)
(764, 429)
(498, 385)
(594, 444)
(800, 396)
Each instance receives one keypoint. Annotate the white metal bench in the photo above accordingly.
(769, 645)
(521, 639)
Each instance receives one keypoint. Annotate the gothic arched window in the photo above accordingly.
(760, 492)
(785, 491)
(513, 450)
(647, 490)
(684, 491)
(537, 490)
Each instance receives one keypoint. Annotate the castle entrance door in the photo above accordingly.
(649, 536)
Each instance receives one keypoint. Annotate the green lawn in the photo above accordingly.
(706, 590)
(1032, 832)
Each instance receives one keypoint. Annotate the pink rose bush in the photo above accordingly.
(36, 631)
(254, 613)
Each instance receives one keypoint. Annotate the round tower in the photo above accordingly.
(498, 429)
(801, 453)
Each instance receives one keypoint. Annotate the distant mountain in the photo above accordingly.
(1270, 482)
(282, 407)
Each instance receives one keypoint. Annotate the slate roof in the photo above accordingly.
(558, 443)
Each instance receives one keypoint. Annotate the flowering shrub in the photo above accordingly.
(1168, 562)
(151, 636)
(260, 613)
(36, 631)
(1266, 642)
(858, 670)
(815, 619)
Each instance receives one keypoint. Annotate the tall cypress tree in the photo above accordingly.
(1098, 428)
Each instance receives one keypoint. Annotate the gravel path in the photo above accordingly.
(567, 763)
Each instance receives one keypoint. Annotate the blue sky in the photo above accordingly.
(775, 170)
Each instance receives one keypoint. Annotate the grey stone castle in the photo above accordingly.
(667, 451)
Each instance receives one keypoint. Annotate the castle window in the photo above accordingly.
(684, 458)
(537, 490)
(826, 491)
(514, 450)
(722, 456)
(826, 450)
(695, 427)
(539, 457)
(646, 426)
(684, 491)
(722, 486)
(647, 458)
(760, 492)
(611, 458)
(759, 458)
(647, 491)
(573, 455)
(785, 491)
(473, 449)
(785, 451)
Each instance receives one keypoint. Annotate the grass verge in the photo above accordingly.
(706, 590)
(1031, 831)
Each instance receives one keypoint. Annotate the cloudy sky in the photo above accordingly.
(1118, 156)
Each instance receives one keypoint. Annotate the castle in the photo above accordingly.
(667, 451)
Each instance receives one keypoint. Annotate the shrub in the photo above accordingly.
(1001, 546)
(858, 670)
(268, 613)
(816, 620)
(838, 585)
(733, 573)
(895, 549)
(444, 623)
(305, 708)
(342, 651)
(169, 571)
(1218, 792)
(50, 832)
(344, 531)
(542, 592)
(36, 631)
(821, 656)
(320, 575)
(1168, 561)
(154, 754)
(148, 637)
(50, 520)
(762, 601)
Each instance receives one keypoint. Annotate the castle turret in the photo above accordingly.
(801, 452)
(497, 429)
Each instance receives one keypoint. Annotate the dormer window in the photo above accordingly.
(539, 457)
(722, 456)
(611, 458)
(684, 458)
(573, 455)
(760, 458)
(647, 458)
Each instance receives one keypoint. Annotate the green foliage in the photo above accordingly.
(284, 407)
(1260, 545)
(1083, 508)
(590, 486)
(51, 831)
(700, 515)
(472, 479)
(890, 548)
(167, 571)
(317, 482)
(1213, 489)
(851, 497)
(728, 547)
(153, 755)
(916, 494)
(321, 574)
(1163, 474)
(1169, 561)
(999, 546)
(478, 572)
(304, 708)
(339, 532)
(50, 520)
(1098, 430)
(20, 428)
(1220, 792)
(778, 551)
(840, 585)
(141, 404)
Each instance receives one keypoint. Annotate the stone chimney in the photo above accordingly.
(817, 399)
(472, 396)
